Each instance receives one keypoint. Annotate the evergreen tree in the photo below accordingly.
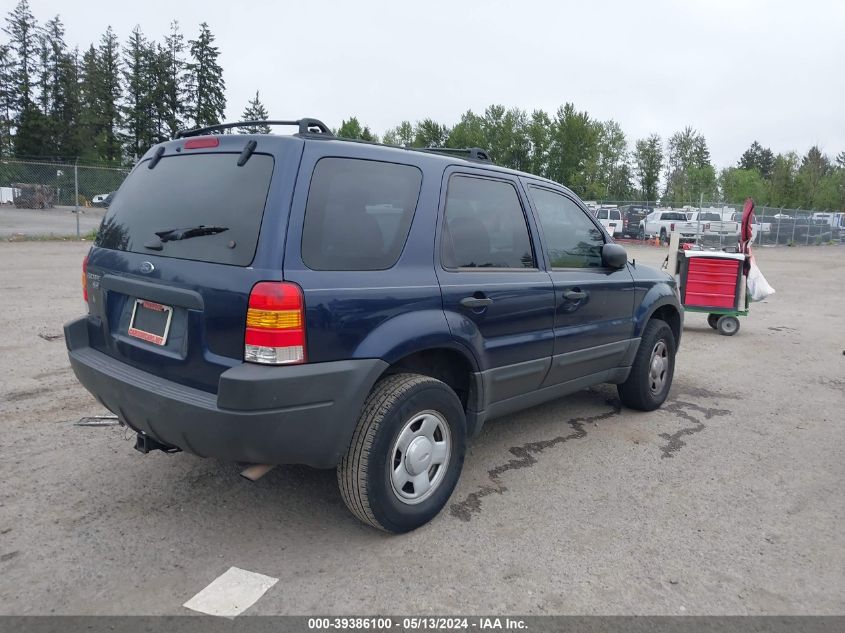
(30, 124)
(107, 92)
(138, 115)
(255, 111)
(7, 100)
(22, 30)
(350, 128)
(206, 97)
(170, 96)
(759, 158)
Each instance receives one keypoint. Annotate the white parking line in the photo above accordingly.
(231, 593)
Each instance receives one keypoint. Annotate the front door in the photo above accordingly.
(498, 300)
(594, 304)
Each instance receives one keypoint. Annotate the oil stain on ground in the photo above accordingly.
(523, 457)
(684, 411)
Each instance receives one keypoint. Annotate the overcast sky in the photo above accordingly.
(737, 70)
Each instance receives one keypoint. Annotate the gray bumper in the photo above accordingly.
(300, 414)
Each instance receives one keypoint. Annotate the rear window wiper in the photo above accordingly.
(172, 235)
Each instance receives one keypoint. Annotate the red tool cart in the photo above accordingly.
(715, 281)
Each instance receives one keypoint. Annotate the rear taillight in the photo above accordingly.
(85, 279)
(672, 226)
(275, 324)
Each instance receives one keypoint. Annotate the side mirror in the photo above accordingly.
(614, 256)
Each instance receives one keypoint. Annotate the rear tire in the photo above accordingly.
(390, 477)
(727, 325)
(651, 374)
(712, 320)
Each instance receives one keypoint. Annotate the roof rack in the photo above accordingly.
(306, 126)
(470, 153)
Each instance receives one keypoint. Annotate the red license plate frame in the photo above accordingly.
(144, 335)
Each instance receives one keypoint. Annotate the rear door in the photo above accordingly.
(594, 305)
(497, 298)
(178, 252)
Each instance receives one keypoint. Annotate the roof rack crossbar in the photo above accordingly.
(306, 126)
(472, 153)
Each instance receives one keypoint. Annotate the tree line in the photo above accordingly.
(595, 159)
(109, 102)
(112, 101)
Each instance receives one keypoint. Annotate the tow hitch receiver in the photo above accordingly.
(145, 444)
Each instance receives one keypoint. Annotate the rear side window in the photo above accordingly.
(358, 214)
(186, 192)
(484, 226)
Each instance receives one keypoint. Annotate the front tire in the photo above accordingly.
(651, 374)
(406, 453)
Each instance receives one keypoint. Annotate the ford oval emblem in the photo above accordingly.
(146, 267)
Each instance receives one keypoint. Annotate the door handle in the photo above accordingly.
(574, 295)
(476, 302)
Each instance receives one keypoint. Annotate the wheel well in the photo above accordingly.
(669, 315)
(446, 365)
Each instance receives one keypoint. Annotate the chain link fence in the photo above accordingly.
(774, 226)
(54, 198)
(57, 190)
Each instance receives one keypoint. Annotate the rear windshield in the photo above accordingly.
(187, 192)
(711, 217)
(674, 216)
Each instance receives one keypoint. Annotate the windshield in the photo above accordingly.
(193, 195)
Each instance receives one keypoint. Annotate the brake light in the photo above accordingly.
(275, 324)
(672, 226)
(85, 279)
(201, 142)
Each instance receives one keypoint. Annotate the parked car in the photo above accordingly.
(661, 224)
(102, 200)
(611, 220)
(632, 215)
(367, 308)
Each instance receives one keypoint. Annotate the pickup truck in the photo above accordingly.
(661, 223)
(687, 224)
(707, 224)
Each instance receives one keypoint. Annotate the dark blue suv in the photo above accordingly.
(311, 300)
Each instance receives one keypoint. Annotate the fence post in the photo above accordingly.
(76, 194)
(809, 225)
(777, 233)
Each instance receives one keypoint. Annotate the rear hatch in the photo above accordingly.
(186, 237)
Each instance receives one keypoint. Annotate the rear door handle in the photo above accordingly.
(476, 302)
(574, 295)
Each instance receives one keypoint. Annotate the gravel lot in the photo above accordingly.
(60, 221)
(729, 500)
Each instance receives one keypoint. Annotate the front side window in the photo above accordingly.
(484, 226)
(572, 240)
(358, 214)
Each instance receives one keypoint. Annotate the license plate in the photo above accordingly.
(150, 321)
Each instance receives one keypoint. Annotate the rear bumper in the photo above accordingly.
(300, 414)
